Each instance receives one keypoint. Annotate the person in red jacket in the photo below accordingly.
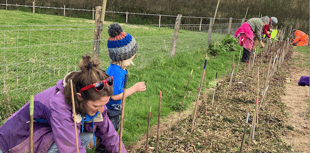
(301, 39)
(266, 28)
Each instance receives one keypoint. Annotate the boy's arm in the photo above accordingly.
(140, 86)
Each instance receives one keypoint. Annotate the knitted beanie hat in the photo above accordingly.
(265, 19)
(121, 45)
(274, 20)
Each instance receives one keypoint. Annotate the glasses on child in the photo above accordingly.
(100, 84)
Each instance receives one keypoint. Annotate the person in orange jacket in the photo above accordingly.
(301, 39)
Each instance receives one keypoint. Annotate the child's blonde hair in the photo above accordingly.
(124, 63)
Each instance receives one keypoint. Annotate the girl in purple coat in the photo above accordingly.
(54, 127)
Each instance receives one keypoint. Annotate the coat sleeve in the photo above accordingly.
(63, 129)
(109, 137)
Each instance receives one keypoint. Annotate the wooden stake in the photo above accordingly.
(238, 61)
(200, 24)
(190, 76)
(217, 6)
(64, 10)
(257, 106)
(159, 21)
(157, 142)
(33, 7)
(199, 89)
(245, 125)
(147, 134)
(74, 117)
(122, 115)
(31, 108)
(97, 32)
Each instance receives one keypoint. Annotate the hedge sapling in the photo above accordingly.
(122, 115)
(214, 90)
(245, 125)
(160, 95)
(147, 133)
(190, 76)
(199, 90)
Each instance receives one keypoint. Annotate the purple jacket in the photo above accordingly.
(51, 106)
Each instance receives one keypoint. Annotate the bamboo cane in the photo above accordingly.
(231, 76)
(148, 128)
(199, 90)
(205, 95)
(238, 62)
(190, 76)
(122, 115)
(217, 6)
(247, 119)
(157, 142)
(257, 106)
(214, 90)
(74, 117)
(31, 109)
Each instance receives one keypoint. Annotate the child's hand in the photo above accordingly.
(140, 86)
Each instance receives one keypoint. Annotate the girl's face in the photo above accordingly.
(92, 107)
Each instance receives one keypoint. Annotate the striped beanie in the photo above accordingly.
(121, 45)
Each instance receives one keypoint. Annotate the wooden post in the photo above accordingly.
(33, 7)
(246, 12)
(98, 31)
(229, 25)
(6, 4)
(159, 21)
(200, 24)
(157, 142)
(104, 6)
(64, 10)
(93, 13)
(175, 35)
(210, 32)
(126, 17)
(217, 6)
(245, 125)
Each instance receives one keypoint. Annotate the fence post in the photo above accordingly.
(33, 7)
(229, 25)
(93, 13)
(126, 17)
(200, 24)
(64, 10)
(210, 32)
(175, 35)
(98, 30)
(159, 21)
(6, 4)
(104, 7)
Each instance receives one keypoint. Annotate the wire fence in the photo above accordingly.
(34, 57)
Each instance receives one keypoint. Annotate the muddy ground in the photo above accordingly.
(220, 128)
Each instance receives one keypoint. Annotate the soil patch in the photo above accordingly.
(296, 100)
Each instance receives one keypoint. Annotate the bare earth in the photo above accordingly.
(296, 101)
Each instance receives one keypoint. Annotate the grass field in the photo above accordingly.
(34, 57)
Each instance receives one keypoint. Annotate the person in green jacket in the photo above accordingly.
(257, 25)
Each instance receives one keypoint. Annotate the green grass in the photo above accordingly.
(302, 60)
(35, 57)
